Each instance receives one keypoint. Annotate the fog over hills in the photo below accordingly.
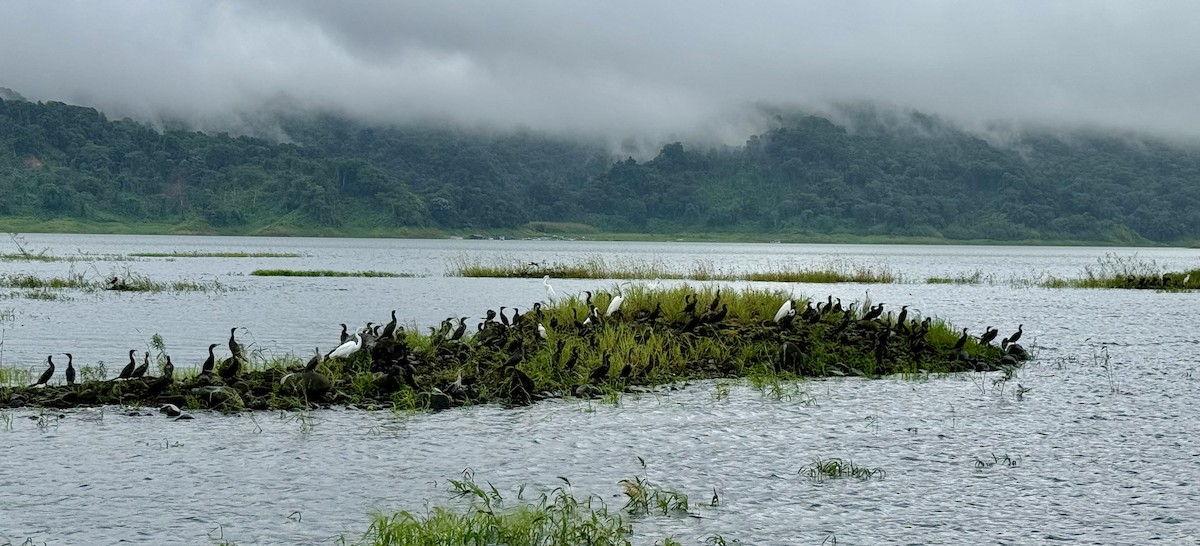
(632, 73)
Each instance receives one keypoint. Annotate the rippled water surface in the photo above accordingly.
(1104, 449)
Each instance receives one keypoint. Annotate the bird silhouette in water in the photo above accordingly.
(46, 375)
(70, 370)
(1013, 338)
(141, 370)
(127, 371)
(988, 335)
(207, 367)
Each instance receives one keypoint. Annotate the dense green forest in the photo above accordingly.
(874, 173)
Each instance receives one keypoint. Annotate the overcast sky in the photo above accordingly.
(658, 69)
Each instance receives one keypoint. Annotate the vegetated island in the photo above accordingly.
(862, 173)
(585, 347)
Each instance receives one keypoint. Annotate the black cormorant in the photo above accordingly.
(45, 377)
(207, 367)
(70, 369)
(127, 371)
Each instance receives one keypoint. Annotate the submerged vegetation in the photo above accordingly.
(835, 468)
(643, 338)
(324, 273)
(599, 267)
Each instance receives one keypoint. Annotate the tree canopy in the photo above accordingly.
(869, 173)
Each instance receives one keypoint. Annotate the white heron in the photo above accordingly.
(348, 348)
(550, 294)
(541, 331)
(784, 310)
(614, 305)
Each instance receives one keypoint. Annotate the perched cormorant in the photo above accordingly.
(70, 369)
(690, 308)
(207, 367)
(503, 317)
(491, 315)
(141, 370)
(462, 329)
(1013, 338)
(874, 312)
(314, 361)
(234, 348)
(988, 335)
(389, 329)
(600, 374)
(900, 320)
(345, 335)
(127, 371)
(45, 377)
(168, 369)
(962, 341)
(716, 301)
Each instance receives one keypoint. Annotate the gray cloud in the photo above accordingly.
(621, 70)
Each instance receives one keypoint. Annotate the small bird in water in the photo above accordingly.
(45, 377)
(127, 371)
(70, 370)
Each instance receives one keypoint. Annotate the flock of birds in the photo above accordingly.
(369, 336)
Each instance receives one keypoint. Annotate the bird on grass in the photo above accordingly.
(314, 361)
(347, 349)
(46, 375)
(551, 295)
(168, 369)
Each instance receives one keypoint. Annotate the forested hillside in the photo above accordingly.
(875, 173)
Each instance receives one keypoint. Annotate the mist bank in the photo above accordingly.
(867, 172)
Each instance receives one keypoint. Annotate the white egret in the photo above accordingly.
(614, 305)
(550, 294)
(784, 310)
(348, 348)
(541, 331)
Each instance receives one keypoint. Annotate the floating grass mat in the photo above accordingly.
(598, 267)
(199, 254)
(1186, 280)
(40, 287)
(654, 337)
(324, 273)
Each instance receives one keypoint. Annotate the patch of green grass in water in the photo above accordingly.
(199, 254)
(324, 273)
(599, 267)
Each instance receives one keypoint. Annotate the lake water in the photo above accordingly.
(1105, 449)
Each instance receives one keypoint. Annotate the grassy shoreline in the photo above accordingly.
(531, 230)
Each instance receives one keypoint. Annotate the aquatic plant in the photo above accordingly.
(599, 267)
(975, 277)
(201, 254)
(557, 517)
(645, 497)
(324, 273)
(834, 468)
(128, 281)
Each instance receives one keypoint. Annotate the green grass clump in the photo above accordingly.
(1129, 272)
(554, 518)
(822, 469)
(125, 282)
(15, 377)
(199, 254)
(324, 273)
(599, 267)
(33, 282)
